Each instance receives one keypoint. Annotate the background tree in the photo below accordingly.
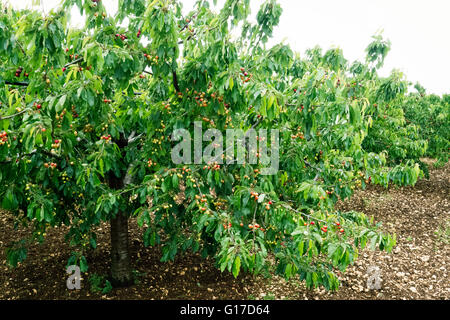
(430, 114)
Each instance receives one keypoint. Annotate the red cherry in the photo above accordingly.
(64, 69)
(38, 106)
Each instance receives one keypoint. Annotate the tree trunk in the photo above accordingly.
(121, 274)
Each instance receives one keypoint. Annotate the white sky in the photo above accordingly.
(418, 29)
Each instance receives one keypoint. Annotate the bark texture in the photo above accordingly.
(121, 274)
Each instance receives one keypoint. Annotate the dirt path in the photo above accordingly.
(417, 269)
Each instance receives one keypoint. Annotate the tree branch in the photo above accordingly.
(73, 62)
(19, 157)
(175, 81)
(13, 115)
(22, 84)
(302, 213)
(190, 20)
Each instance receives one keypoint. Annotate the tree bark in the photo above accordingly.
(121, 274)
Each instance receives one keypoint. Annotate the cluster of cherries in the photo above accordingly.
(226, 226)
(74, 112)
(301, 108)
(212, 166)
(211, 122)
(106, 138)
(202, 199)
(150, 57)
(121, 36)
(55, 145)
(268, 205)
(19, 72)
(200, 98)
(52, 165)
(325, 228)
(245, 77)
(254, 195)
(150, 163)
(3, 138)
(299, 91)
(255, 227)
(298, 135)
(72, 56)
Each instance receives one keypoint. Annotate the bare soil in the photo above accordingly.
(416, 269)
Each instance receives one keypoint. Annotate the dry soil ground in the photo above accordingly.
(417, 269)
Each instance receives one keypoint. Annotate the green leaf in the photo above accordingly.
(60, 105)
(301, 246)
(42, 214)
(93, 242)
(236, 266)
(83, 264)
(175, 181)
(270, 103)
